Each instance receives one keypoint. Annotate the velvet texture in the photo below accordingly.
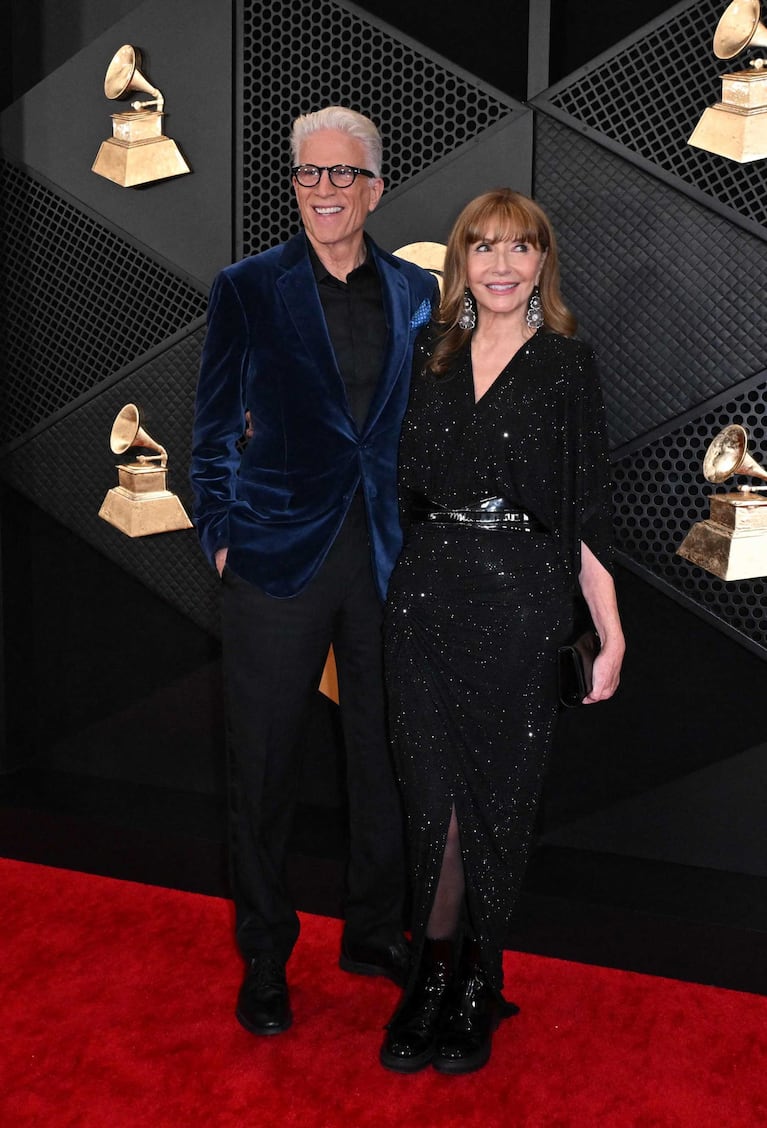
(279, 506)
(118, 1010)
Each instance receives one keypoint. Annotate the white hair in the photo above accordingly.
(346, 121)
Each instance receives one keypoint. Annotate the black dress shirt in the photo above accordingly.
(355, 318)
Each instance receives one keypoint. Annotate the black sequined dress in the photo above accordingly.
(475, 616)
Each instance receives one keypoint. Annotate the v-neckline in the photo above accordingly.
(520, 351)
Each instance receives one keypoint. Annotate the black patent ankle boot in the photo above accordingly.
(468, 1019)
(410, 1038)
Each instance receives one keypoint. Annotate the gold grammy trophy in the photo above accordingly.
(141, 503)
(431, 256)
(732, 543)
(736, 127)
(137, 152)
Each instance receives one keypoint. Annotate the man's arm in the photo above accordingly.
(219, 418)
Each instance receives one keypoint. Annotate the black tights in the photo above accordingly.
(448, 900)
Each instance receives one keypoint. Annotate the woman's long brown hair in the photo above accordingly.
(498, 215)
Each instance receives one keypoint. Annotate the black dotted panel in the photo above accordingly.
(660, 492)
(668, 292)
(170, 564)
(650, 96)
(78, 303)
(301, 55)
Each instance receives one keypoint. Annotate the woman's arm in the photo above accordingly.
(599, 592)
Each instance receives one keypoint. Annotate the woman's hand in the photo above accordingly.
(599, 592)
(220, 559)
(607, 674)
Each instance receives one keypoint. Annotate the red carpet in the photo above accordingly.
(117, 1013)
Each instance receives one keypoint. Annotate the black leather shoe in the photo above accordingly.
(391, 960)
(263, 1004)
(469, 1017)
(411, 1036)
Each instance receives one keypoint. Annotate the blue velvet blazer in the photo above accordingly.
(278, 506)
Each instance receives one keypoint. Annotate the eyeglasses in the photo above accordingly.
(341, 175)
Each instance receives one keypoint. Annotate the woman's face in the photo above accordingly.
(501, 276)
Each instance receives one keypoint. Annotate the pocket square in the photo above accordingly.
(421, 316)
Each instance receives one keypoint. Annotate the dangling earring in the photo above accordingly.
(534, 317)
(468, 318)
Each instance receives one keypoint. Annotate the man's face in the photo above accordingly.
(334, 217)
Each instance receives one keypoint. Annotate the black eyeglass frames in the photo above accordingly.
(341, 175)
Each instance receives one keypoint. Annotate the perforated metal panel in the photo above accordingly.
(72, 486)
(667, 290)
(660, 493)
(301, 56)
(649, 97)
(670, 294)
(83, 304)
(78, 302)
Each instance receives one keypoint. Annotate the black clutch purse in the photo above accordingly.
(576, 668)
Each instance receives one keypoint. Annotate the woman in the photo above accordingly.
(505, 502)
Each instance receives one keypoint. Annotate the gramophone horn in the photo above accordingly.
(727, 455)
(124, 74)
(739, 27)
(127, 432)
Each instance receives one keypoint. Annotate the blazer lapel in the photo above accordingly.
(298, 289)
(396, 299)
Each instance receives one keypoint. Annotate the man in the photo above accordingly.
(312, 339)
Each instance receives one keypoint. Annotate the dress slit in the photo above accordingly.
(475, 616)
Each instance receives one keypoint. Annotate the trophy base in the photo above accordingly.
(142, 515)
(732, 543)
(729, 131)
(129, 163)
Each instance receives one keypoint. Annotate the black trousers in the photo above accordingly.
(274, 651)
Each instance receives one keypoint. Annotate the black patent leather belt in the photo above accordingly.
(488, 513)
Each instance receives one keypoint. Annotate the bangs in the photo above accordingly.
(499, 223)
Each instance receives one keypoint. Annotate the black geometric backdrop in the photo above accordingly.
(668, 289)
(663, 249)
(93, 322)
(77, 302)
(329, 52)
(658, 493)
(665, 252)
(645, 99)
